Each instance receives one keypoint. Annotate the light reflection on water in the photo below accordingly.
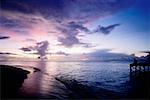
(108, 75)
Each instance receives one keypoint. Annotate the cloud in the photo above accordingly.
(72, 29)
(67, 9)
(78, 26)
(7, 53)
(69, 33)
(105, 30)
(4, 37)
(61, 53)
(88, 45)
(64, 19)
(144, 51)
(40, 48)
(30, 40)
(68, 41)
(9, 23)
(26, 49)
(20, 25)
(107, 54)
(4, 56)
(56, 53)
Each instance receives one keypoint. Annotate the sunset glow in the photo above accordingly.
(122, 29)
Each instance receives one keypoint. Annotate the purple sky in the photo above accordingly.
(74, 27)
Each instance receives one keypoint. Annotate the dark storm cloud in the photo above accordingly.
(105, 30)
(4, 37)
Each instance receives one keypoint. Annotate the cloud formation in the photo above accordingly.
(67, 9)
(61, 53)
(30, 40)
(69, 33)
(63, 19)
(105, 30)
(4, 37)
(40, 48)
(72, 30)
(26, 49)
(7, 53)
(106, 55)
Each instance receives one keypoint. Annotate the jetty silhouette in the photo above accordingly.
(141, 66)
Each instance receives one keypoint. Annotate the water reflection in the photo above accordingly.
(36, 84)
(108, 75)
(42, 83)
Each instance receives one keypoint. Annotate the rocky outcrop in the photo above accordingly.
(11, 80)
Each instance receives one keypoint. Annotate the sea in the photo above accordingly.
(111, 75)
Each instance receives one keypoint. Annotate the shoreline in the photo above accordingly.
(12, 78)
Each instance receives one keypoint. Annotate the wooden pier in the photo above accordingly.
(139, 67)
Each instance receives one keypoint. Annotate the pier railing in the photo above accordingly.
(139, 67)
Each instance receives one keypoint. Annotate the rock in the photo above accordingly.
(11, 80)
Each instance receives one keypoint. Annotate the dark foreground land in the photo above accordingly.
(12, 79)
(140, 83)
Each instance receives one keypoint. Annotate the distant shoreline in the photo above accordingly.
(36, 60)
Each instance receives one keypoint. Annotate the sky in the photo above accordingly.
(77, 28)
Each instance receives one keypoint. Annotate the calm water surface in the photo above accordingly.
(108, 75)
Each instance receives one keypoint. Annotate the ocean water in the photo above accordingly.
(112, 76)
